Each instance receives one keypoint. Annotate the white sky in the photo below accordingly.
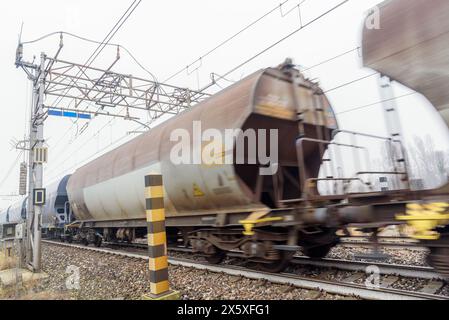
(166, 36)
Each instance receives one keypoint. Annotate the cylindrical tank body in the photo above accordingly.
(112, 186)
(54, 213)
(17, 212)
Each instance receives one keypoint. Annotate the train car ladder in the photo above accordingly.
(393, 125)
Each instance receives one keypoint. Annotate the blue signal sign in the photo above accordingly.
(68, 114)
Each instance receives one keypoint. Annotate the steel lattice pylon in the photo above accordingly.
(101, 91)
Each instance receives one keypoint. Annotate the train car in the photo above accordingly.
(7, 230)
(223, 207)
(205, 203)
(56, 213)
(411, 47)
(10, 217)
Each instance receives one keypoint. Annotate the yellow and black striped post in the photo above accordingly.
(157, 239)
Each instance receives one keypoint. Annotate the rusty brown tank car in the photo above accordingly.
(109, 188)
(108, 193)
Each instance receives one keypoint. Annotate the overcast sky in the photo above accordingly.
(166, 36)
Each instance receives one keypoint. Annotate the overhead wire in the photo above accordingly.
(352, 82)
(303, 26)
(375, 103)
(11, 168)
(98, 42)
(227, 40)
(102, 45)
(331, 59)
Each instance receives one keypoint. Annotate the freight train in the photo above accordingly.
(233, 204)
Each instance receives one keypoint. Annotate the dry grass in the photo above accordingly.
(7, 262)
(30, 291)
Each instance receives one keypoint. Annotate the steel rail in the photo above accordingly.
(352, 265)
(359, 266)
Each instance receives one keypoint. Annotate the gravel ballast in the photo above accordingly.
(403, 256)
(105, 276)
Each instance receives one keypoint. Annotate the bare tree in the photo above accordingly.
(427, 164)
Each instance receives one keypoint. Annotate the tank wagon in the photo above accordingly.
(205, 204)
(56, 212)
(15, 213)
(10, 217)
(6, 230)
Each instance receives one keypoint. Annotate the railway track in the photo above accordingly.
(356, 266)
(386, 269)
(334, 287)
(398, 243)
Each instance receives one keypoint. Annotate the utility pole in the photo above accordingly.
(34, 215)
(37, 156)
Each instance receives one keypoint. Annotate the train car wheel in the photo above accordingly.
(85, 242)
(98, 241)
(439, 259)
(216, 258)
(278, 265)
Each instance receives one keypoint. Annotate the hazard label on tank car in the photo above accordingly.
(197, 192)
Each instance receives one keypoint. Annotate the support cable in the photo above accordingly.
(376, 103)
(11, 168)
(224, 42)
(95, 54)
(277, 43)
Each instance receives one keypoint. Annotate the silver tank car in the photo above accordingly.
(15, 213)
(56, 212)
(111, 188)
